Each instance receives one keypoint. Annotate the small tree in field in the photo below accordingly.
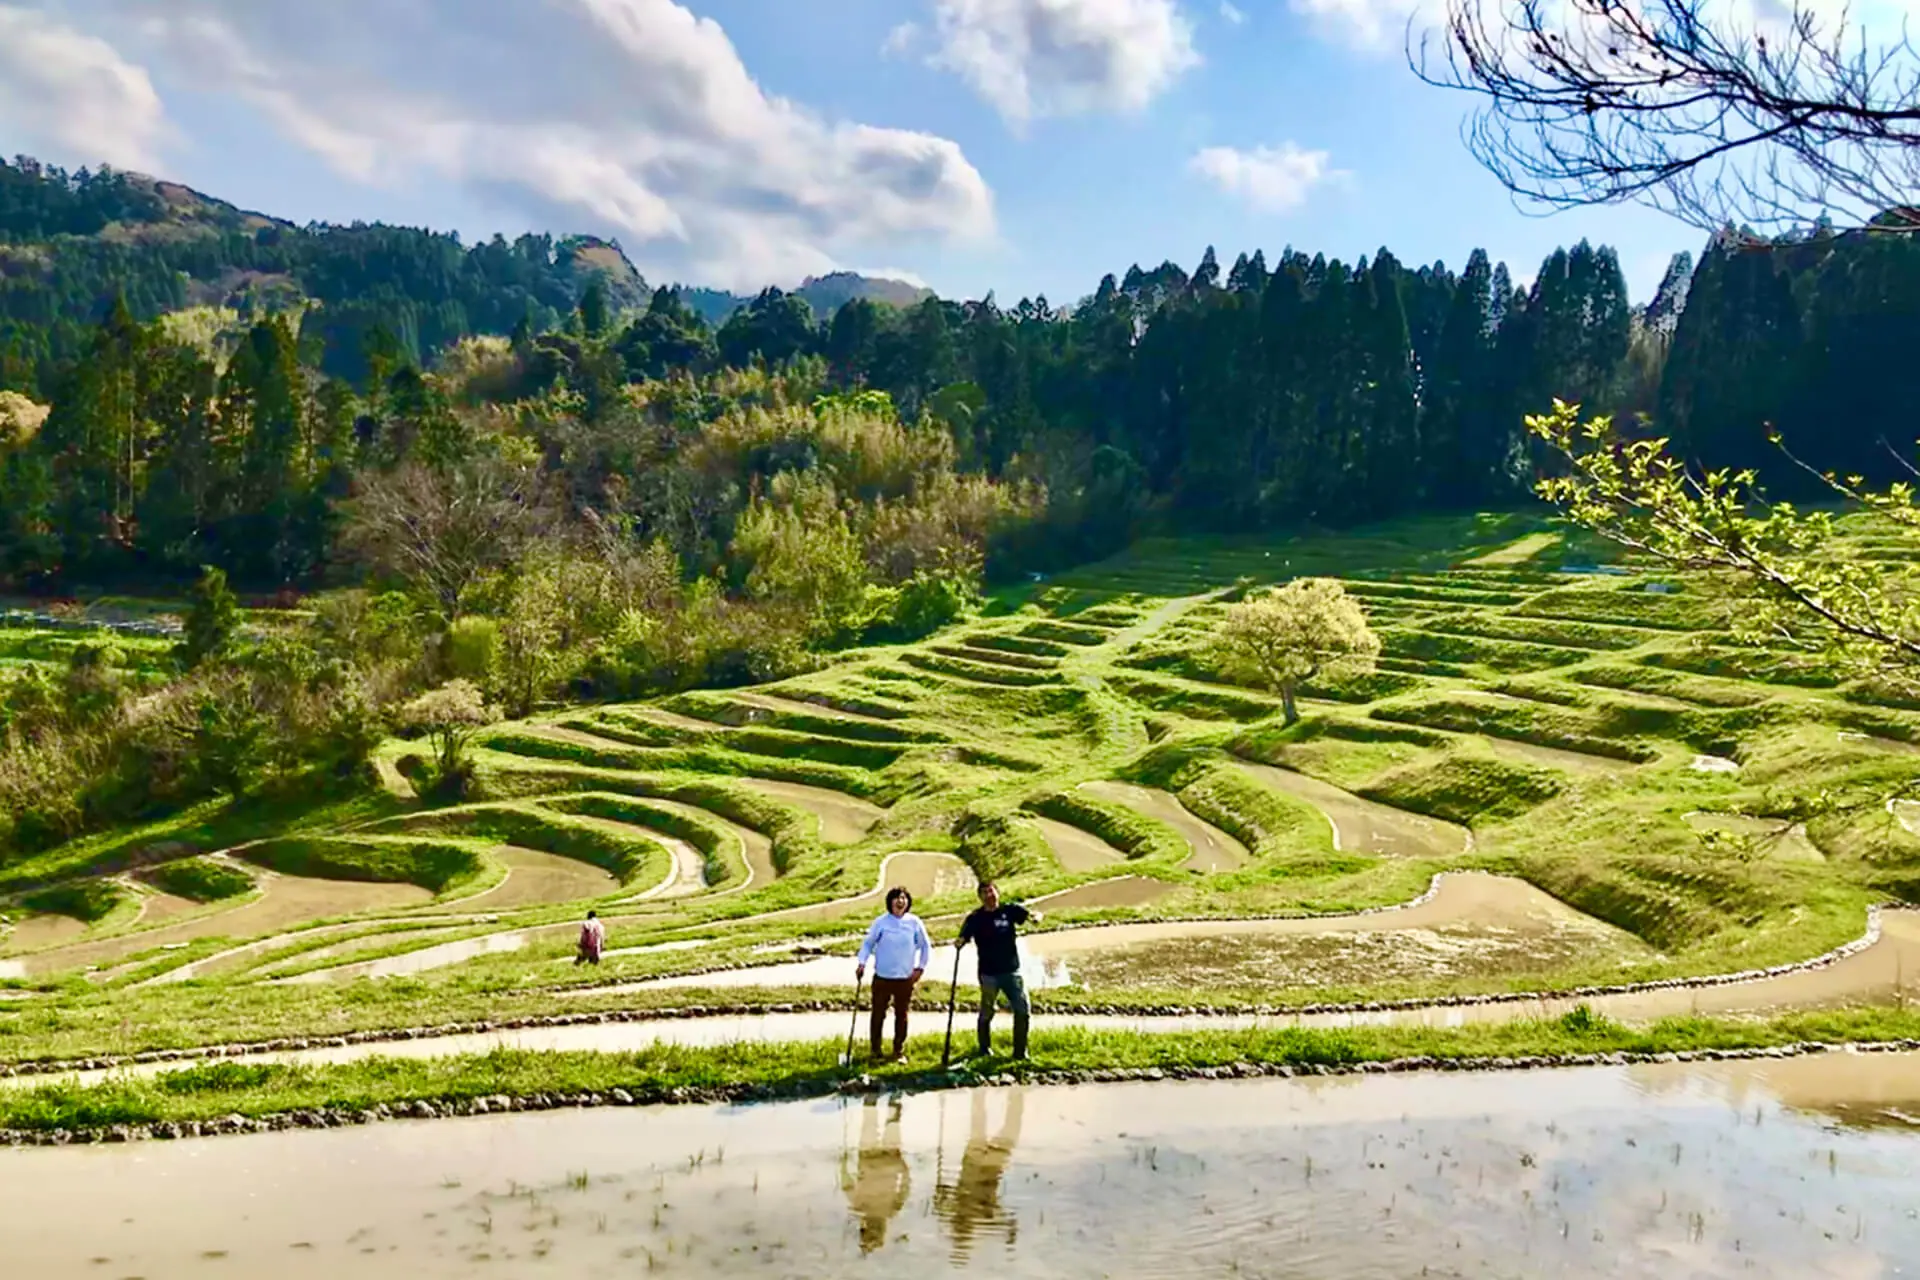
(211, 620)
(449, 716)
(1283, 638)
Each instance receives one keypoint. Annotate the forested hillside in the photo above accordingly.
(69, 242)
(205, 385)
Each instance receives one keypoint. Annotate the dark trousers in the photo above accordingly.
(1014, 988)
(897, 992)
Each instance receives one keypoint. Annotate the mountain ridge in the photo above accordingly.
(170, 212)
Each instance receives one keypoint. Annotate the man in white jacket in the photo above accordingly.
(901, 951)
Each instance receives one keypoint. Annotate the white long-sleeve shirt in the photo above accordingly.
(898, 945)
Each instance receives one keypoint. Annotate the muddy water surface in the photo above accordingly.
(758, 849)
(1364, 826)
(1077, 850)
(844, 819)
(1472, 926)
(535, 878)
(158, 908)
(424, 959)
(35, 932)
(1213, 849)
(284, 901)
(1712, 1170)
(1116, 891)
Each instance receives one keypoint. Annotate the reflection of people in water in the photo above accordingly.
(879, 1190)
(974, 1201)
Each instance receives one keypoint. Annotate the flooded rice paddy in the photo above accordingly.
(1075, 849)
(756, 848)
(536, 879)
(1213, 849)
(844, 819)
(157, 907)
(1365, 826)
(283, 903)
(1472, 926)
(1795, 1168)
(1115, 891)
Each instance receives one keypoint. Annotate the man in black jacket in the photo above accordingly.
(992, 929)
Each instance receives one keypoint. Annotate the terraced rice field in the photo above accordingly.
(1617, 794)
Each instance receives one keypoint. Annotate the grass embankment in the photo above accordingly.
(344, 1092)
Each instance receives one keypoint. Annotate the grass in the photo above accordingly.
(256, 1090)
(88, 901)
(1555, 713)
(1466, 788)
(441, 866)
(201, 879)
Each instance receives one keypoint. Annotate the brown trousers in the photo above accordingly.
(897, 992)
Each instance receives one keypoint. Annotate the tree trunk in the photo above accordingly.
(1291, 711)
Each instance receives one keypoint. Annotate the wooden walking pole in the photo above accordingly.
(953, 990)
(854, 1024)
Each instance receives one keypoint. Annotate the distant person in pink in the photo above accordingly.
(593, 940)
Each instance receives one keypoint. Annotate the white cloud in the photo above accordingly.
(1371, 26)
(633, 117)
(1032, 58)
(1231, 13)
(1270, 179)
(901, 40)
(64, 90)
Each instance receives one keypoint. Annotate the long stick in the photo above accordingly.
(953, 989)
(854, 1024)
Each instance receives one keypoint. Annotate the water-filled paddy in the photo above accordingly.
(1795, 1168)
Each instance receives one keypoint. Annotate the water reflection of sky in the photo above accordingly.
(1711, 1170)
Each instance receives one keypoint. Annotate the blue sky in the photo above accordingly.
(1022, 146)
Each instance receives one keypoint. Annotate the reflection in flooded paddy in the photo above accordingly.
(1703, 1170)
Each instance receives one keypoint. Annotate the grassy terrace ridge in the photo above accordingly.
(1559, 716)
(207, 1097)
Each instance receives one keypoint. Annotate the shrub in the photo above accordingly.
(431, 864)
(200, 879)
(90, 901)
(473, 647)
(924, 604)
(449, 716)
(212, 619)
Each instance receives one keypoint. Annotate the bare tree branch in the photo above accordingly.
(1675, 104)
(440, 530)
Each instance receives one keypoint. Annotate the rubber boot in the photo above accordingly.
(1019, 1037)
